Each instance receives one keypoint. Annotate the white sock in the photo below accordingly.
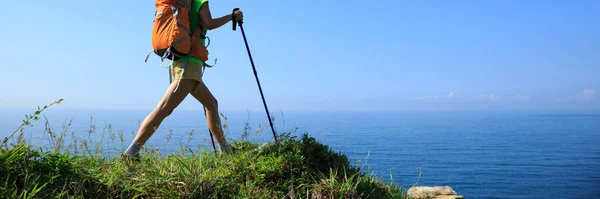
(134, 148)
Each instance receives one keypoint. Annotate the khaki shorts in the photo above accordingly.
(193, 70)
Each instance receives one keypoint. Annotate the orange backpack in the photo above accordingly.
(171, 35)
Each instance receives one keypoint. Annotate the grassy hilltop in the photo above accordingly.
(299, 167)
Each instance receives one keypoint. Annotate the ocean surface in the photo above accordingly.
(478, 154)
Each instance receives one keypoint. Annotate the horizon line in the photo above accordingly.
(309, 111)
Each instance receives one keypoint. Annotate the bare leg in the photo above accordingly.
(164, 108)
(204, 96)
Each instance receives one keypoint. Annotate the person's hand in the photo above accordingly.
(239, 16)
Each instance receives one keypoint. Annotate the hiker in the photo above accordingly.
(187, 73)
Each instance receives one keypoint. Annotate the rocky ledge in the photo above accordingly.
(436, 192)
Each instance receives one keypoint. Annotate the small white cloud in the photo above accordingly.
(451, 95)
(521, 98)
(486, 97)
(492, 97)
(586, 95)
(427, 97)
(589, 91)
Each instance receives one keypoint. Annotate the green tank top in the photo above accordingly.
(194, 20)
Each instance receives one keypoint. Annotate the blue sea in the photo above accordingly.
(479, 154)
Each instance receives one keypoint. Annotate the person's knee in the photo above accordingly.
(164, 111)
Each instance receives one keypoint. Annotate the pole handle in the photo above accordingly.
(233, 18)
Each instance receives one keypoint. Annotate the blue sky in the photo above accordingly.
(315, 55)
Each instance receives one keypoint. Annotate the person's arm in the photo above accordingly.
(211, 23)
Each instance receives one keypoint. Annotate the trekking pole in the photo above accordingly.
(209, 132)
(254, 69)
(170, 75)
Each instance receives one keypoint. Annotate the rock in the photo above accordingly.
(436, 192)
(449, 197)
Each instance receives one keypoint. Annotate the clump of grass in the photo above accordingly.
(297, 167)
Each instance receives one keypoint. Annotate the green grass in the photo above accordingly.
(299, 167)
